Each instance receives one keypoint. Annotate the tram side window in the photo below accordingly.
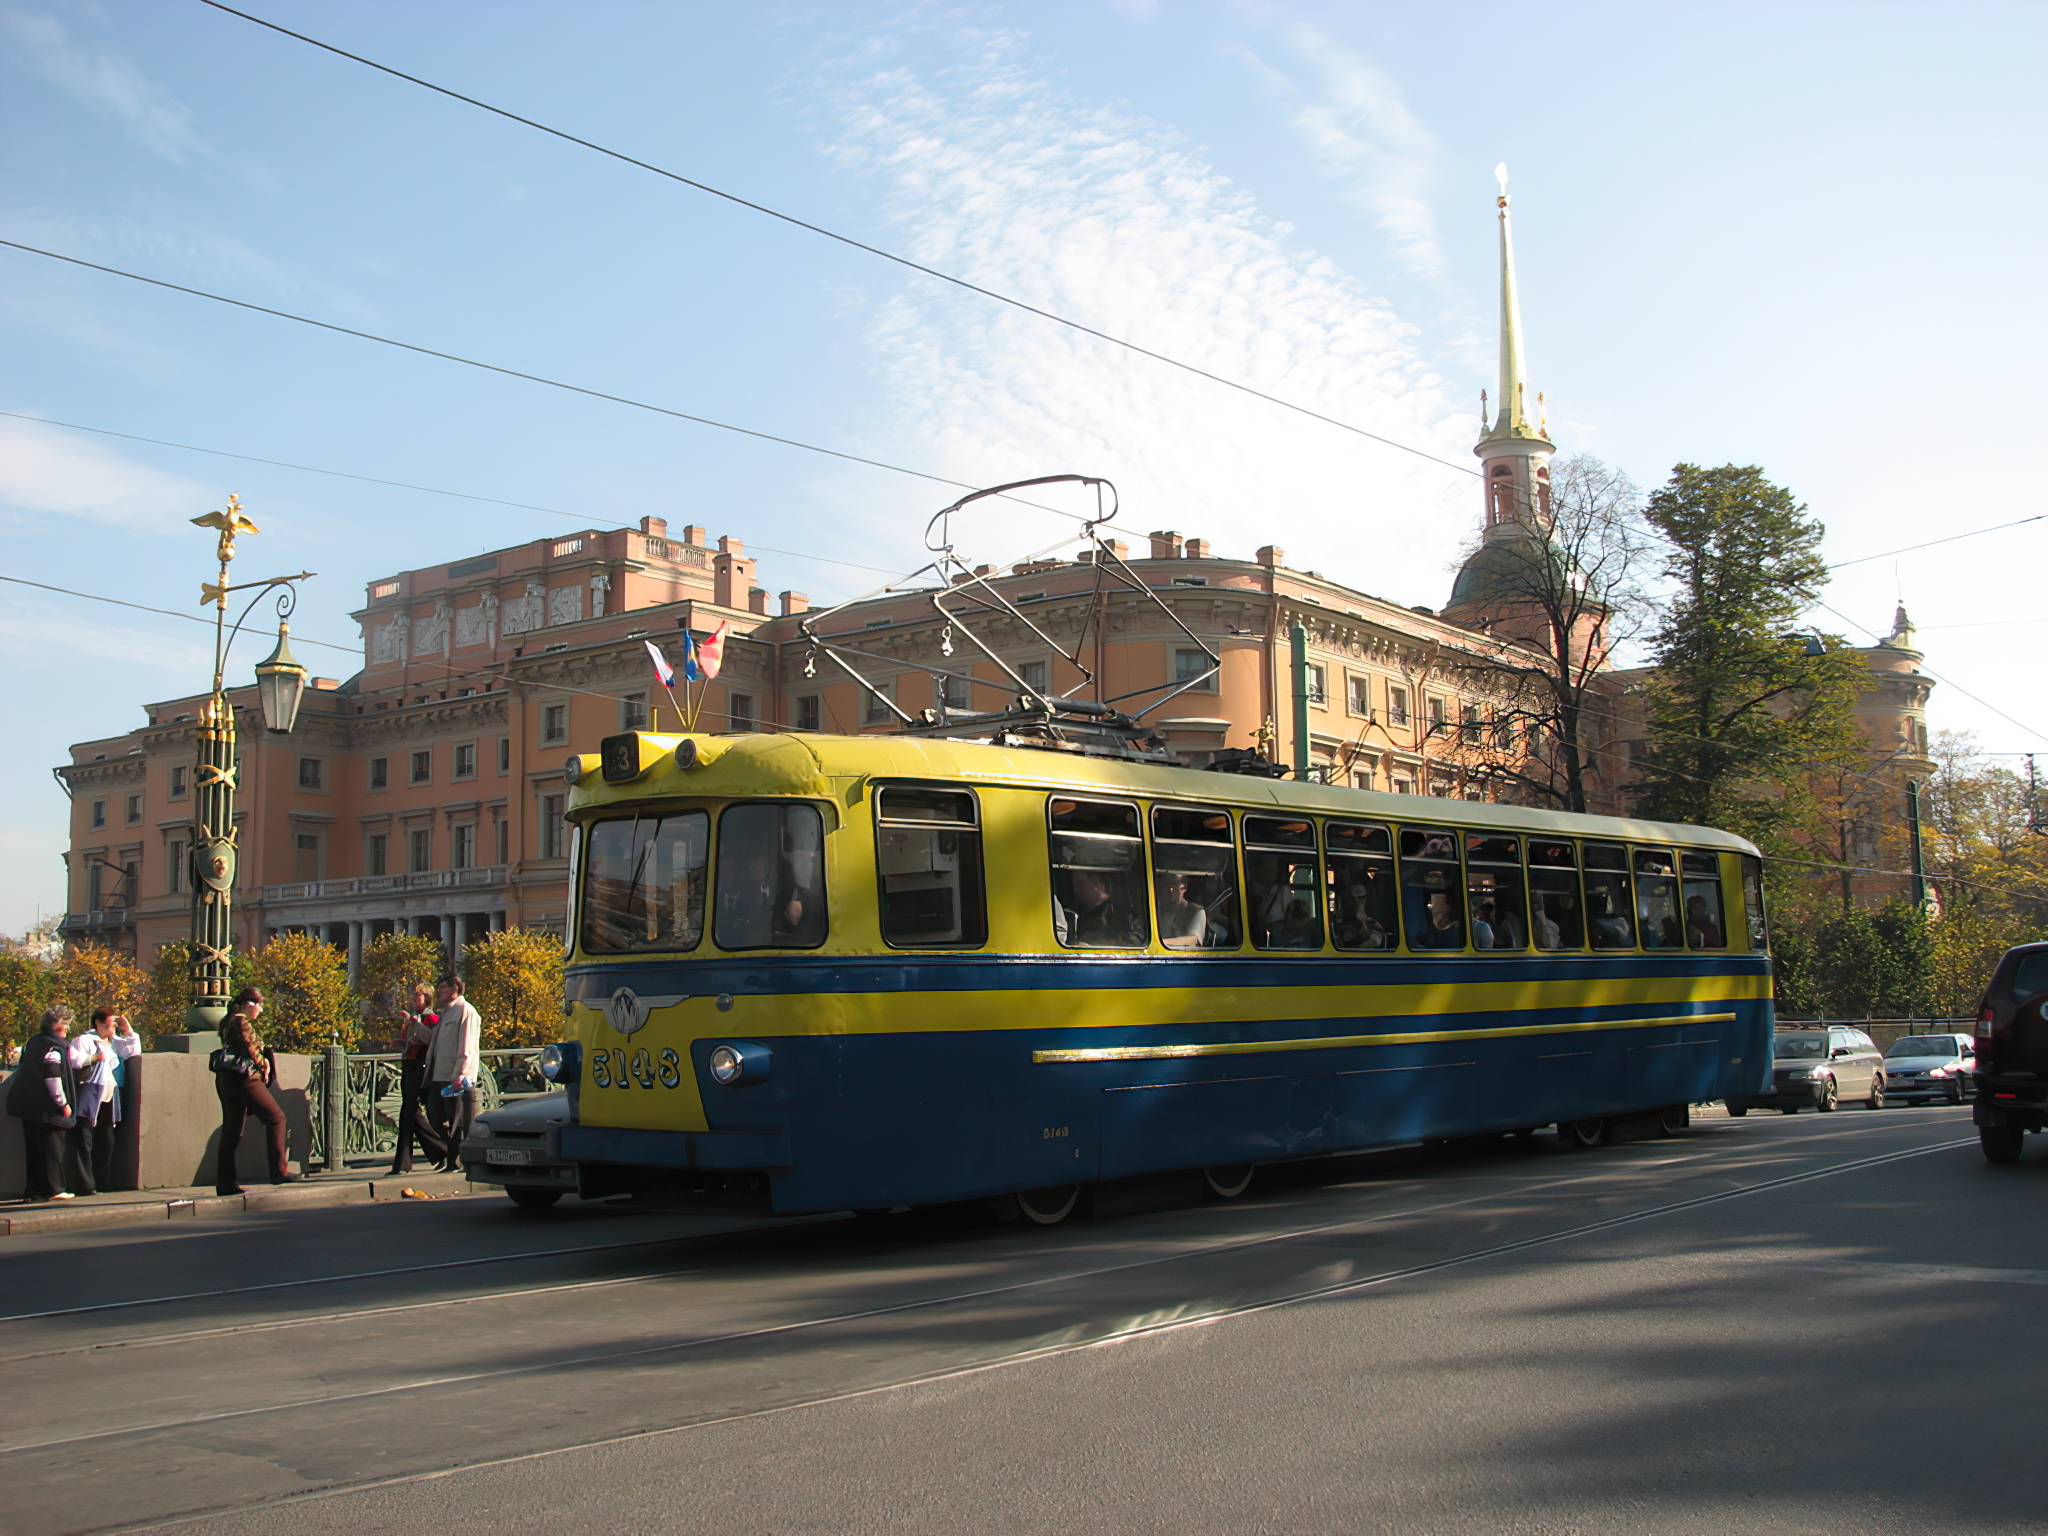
(1753, 902)
(1608, 909)
(1493, 881)
(1362, 902)
(1432, 894)
(771, 878)
(1657, 905)
(928, 854)
(1194, 876)
(1706, 925)
(1098, 875)
(1283, 888)
(643, 883)
(1554, 895)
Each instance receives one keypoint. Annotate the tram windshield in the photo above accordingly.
(771, 878)
(643, 883)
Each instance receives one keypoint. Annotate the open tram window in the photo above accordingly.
(771, 878)
(1362, 901)
(1194, 877)
(1432, 891)
(1283, 888)
(1098, 875)
(928, 855)
(643, 883)
(1657, 906)
(1753, 902)
(1556, 920)
(1493, 882)
(1609, 913)
(1706, 925)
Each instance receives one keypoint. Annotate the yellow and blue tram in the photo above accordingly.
(835, 972)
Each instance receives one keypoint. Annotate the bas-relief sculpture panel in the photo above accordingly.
(387, 641)
(565, 605)
(521, 614)
(475, 626)
(430, 634)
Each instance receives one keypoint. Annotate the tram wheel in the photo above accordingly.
(1230, 1181)
(1737, 1111)
(1048, 1207)
(528, 1198)
(1673, 1118)
(1592, 1132)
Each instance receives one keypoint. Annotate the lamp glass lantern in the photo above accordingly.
(280, 684)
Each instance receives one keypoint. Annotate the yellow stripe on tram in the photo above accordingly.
(1339, 1042)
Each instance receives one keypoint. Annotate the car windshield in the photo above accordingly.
(1923, 1045)
(1802, 1047)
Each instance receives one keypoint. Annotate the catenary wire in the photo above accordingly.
(94, 597)
(859, 245)
(535, 378)
(2037, 517)
(404, 485)
(1945, 682)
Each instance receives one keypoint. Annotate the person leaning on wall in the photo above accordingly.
(242, 1075)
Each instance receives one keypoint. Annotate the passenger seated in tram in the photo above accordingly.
(1548, 934)
(1297, 929)
(1183, 924)
(1440, 928)
(1093, 916)
(1610, 928)
(1357, 927)
(1700, 927)
(1482, 925)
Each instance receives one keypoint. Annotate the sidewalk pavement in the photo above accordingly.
(348, 1186)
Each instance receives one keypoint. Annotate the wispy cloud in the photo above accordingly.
(60, 635)
(46, 471)
(107, 83)
(992, 173)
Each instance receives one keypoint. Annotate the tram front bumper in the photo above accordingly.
(670, 1149)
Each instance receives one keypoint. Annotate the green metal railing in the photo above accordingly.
(361, 1119)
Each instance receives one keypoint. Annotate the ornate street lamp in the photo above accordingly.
(281, 682)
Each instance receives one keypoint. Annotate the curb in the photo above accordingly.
(23, 1221)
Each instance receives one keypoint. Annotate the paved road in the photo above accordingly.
(1812, 1323)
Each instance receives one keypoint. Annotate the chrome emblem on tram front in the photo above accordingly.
(627, 1011)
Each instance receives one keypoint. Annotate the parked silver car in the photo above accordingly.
(1818, 1069)
(1921, 1068)
(508, 1146)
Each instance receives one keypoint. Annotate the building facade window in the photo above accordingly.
(1468, 726)
(739, 711)
(465, 846)
(1188, 665)
(1358, 696)
(554, 839)
(1437, 712)
(310, 773)
(306, 856)
(1033, 675)
(422, 850)
(1318, 684)
(1404, 786)
(134, 809)
(504, 754)
(176, 854)
(423, 766)
(952, 692)
(177, 783)
(554, 724)
(1397, 705)
(877, 708)
(377, 854)
(99, 813)
(501, 831)
(633, 712)
(465, 760)
(380, 772)
(809, 713)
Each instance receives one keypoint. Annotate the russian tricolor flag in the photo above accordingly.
(662, 669)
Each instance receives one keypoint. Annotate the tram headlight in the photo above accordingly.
(733, 1065)
(562, 1064)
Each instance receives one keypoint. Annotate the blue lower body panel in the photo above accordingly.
(673, 1149)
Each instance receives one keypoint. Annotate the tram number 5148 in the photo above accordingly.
(1054, 1132)
(613, 1068)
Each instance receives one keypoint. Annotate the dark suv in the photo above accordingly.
(2012, 1053)
(1816, 1069)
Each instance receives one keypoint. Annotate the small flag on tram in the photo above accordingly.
(703, 658)
(662, 669)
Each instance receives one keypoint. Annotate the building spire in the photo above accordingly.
(1513, 418)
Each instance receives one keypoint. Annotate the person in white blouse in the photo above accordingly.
(454, 1056)
(100, 1056)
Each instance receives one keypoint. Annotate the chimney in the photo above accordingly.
(1115, 547)
(732, 575)
(795, 602)
(1166, 546)
(1272, 555)
(692, 534)
(1195, 549)
(757, 600)
(654, 527)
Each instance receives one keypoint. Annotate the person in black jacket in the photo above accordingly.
(43, 1096)
(242, 1074)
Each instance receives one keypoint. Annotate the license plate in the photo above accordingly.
(502, 1156)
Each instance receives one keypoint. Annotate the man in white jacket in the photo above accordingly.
(453, 1059)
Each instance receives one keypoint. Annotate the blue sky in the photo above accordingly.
(1803, 236)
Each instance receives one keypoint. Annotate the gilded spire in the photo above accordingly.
(1513, 418)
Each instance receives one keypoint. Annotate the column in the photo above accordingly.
(355, 952)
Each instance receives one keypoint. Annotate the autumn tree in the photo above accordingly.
(93, 976)
(24, 993)
(515, 980)
(1740, 706)
(1555, 594)
(390, 966)
(167, 1003)
(307, 1002)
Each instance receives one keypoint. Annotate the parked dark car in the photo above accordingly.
(508, 1146)
(1919, 1069)
(1817, 1069)
(2012, 1053)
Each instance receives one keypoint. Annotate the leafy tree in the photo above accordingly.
(390, 965)
(1852, 963)
(1561, 592)
(24, 994)
(307, 1002)
(515, 980)
(168, 1000)
(93, 976)
(1740, 708)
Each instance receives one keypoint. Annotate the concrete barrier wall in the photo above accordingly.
(170, 1132)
